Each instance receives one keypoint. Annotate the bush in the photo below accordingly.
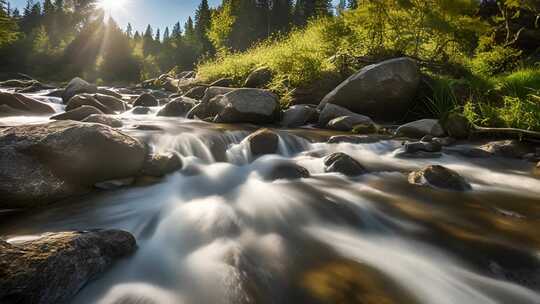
(497, 60)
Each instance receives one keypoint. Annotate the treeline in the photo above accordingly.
(57, 39)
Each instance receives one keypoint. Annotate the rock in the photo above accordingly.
(107, 92)
(248, 106)
(78, 114)
(196, 92)
(17, 83)
(473, 152)
(287, 170)
(331, 111)
(146, 127)
(444, 141)
(170, 84)
(146, 100)
(41, 164)
(115, 104)
(223, 82)
(259, 78)
(140, 110)
(537, 169)
(212, 92)
(420, 128)
(25, 104)
(507, 148)
(457, 126)
(353, 139)
(77, 86)
(104, 120)
(56, 93)
(422, 146)
(263, 141)
(383, 91)
(344, 164)
(348, 123)
(439, 177)
(55, 266)
(299, 115)
(178, 107)
(87, 100)
(36, 86)
(159, 165)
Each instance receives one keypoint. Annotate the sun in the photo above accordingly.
(111, 5)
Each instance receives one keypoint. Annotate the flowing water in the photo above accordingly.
(218, 232)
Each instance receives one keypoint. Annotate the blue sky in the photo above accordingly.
(158, 13)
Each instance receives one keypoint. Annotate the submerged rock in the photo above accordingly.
(287, 170)
(259, 78)
(420, 128)
(439, 177)
(55, 266)
(344, 164)
(78, 114)
(422, 146)
(77, 86)
(24, 105)
(299, 115)
(353, 139)
(40, 164)
(382, 91)
(104, 120)
(159, 165)
(146, 100)
(262, 142)
(248, 106)
(178, 107)
(140, 110)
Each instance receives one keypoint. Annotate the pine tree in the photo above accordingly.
(202, 25)
(281, 16)
(129, 31)
(177, 31)
(118, 62)
(8, 26)
(166, 35)
(189, 30)
(342, 5)
(148, 41)
(158, 36)
(352, 4)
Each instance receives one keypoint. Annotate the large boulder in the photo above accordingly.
(262, 142)
(78, 114)
(299, 115)
(177, 107)
(248, 106)
(104, 120)
(457, 126)
(421, 128)
(259, 78)
(24, 105)
(53, 267)
(159, 165)
(77, 86)
(196, 92)
(87, 100)
(439, 177)
(111, 102)
(212, 92)
(146, 100)
(40, 164)
(348, 123)
(331, 111)
(384, 91)
(344, 164)
(108, 92)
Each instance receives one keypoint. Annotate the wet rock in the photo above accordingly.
(457, 126)
(111, 102)
(223, 82)
(353, 139)
(262, 142)
(77, 86)
(17, 83)
(145, 127)
(146, 100)
(248, 106)
(422, 146)
(383, 91)
(287, 170)
(41, 164)
(331, 111)
(107, 92)
(196, 92)
(344, 164)
(87, 100)
(55, 93)
(420, 128)
(159, 165)
(507, 148)
(55, 266)
(259, 78)
(23, 104)
(439, 177)
(299, 115)
(444, 141)
(213, 92)
(78, 114)
(36, 86)
(537, 169)
(473, 152)
(115, 184)
(140, 110)
(104, 120)
(178, 107)
(348, 123)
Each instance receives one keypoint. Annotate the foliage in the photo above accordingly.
(8, 26)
